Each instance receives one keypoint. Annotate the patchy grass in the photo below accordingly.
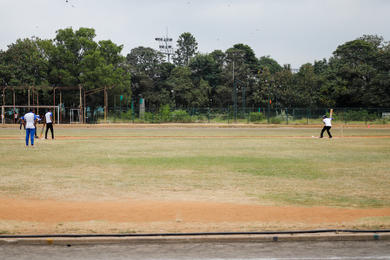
(268, 166)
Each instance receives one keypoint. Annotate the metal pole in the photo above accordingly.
(37, 103)
(268, 104)
(85, 109)
(28, 101)
(60, 114)
(13, 99)
(287, 115)
(132, 110)
(235, 101)
(81, 116)
(243, 100)
(4, 95)
(105, 104)
(54, 104)
(235, 95)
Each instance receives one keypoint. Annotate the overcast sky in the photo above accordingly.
(290, 31)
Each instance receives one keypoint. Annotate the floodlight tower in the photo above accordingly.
(165, 46)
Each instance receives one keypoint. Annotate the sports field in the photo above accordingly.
(180, 179)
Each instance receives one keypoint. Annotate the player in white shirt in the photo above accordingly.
(29, 121)
(327, 126)
(49, 124)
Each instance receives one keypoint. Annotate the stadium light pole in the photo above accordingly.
(165, 46)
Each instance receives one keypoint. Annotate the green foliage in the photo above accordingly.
(276, 120)
(357, 115)
(357, 75)
(271, 64)
(256, 116)
(180, 116)
(186, 49)
(165, 113)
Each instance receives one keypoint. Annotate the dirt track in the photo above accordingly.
(40, 216)
(201, 137)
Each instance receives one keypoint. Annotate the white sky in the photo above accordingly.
(290, 31)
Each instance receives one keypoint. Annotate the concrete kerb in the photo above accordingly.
(70, 241)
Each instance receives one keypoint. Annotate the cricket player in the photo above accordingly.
(36, 128)
(49, 124)
(327, 126)
(21, 122)
(29, 120)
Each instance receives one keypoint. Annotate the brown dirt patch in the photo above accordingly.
(189, 137)
(46, 216)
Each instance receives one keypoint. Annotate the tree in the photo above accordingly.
(186, 48)
(307, 85)
(149, 73)
(203, 66)
(271, 64)
(182, 86)
(355, 62)
(219, 58)
(145, 60)
(24, 63)
(70, 48)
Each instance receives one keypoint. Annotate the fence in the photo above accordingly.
(259, 115)
(248, 115)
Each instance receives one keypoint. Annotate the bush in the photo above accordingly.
(148, 117)
(358, 115)
(276, 120)
(180, 116)
(256, 116)
(164, 114)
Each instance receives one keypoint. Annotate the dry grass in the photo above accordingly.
(267, 166)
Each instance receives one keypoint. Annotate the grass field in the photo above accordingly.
(267, 166)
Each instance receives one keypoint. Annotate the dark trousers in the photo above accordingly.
(49, 126)
(327, 128)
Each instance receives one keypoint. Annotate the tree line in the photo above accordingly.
(356, 75)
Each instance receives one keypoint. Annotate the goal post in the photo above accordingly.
(12, 113)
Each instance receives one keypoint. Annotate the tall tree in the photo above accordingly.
(182, 86)
(271, 64)
(355, 61)
(71, 47)
(145, 60)
(187, 47)
(24, 63)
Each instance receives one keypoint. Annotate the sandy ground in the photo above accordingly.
(45, 216)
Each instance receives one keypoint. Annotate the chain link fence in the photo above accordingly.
(229, 115)
(285, 116)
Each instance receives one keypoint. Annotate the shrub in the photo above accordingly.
(358, 115)
(164, 114)
(180, 116)
(256, 116)
(148, 117)
(276, 120)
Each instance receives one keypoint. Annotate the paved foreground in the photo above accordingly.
(215, 250)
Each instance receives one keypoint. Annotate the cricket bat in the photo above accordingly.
(43, 127)
(331, 113)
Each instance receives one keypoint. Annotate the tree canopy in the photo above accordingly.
(357, 74)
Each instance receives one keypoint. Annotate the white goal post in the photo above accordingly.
(56, 110)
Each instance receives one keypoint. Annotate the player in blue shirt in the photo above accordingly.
(36, 123)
